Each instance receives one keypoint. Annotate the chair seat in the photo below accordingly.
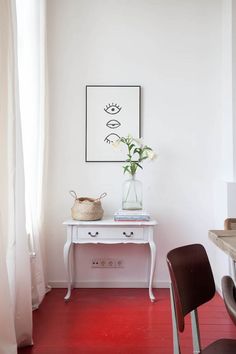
(221, 346)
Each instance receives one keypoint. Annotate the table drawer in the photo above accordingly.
(108, 233)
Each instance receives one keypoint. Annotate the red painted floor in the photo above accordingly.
(118, 321)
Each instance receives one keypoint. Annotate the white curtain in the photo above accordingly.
(15, 289)
(31, 64)
(21, 116)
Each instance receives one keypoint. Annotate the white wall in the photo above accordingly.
(173, 49)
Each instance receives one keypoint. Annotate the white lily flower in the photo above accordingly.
(151, 155)
(116, 144)
(137, 152)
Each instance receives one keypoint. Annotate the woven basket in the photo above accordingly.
(87, 209)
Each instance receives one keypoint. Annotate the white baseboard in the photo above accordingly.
(113, 284)
(219, 291)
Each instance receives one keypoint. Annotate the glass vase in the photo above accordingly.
(132, 194)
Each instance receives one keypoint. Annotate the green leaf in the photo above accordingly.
(126, 168)
(139, 165)
(143, 158)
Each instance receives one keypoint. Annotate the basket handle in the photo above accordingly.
(101, 196)
(73, 194)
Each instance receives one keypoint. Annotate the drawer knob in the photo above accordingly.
(93, 235)
(128, 235)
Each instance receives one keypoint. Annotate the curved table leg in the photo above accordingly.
(67, 261)
(153, 262)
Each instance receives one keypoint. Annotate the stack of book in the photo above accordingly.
(131, 215)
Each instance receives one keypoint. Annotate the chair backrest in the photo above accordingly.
(230, 224)
(229, 295)
(192, 279)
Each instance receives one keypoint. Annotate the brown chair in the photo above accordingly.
(229, 295)
(192, 284)
(230, 224)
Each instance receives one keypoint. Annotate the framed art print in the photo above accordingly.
(111, 112)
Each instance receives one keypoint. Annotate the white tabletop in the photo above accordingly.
(109, 221)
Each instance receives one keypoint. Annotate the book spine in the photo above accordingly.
(131, 218)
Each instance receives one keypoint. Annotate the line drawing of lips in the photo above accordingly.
(113, 124)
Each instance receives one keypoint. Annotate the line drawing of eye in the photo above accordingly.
(112, 108)
(113, 124)
(111, 138)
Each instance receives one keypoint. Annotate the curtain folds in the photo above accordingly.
(31, 64)
(15, 296)
(22, 98)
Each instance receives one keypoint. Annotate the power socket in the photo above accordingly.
(107, 263)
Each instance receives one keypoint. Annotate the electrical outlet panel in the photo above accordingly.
(107, 263)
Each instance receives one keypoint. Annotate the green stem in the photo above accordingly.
(128, 192)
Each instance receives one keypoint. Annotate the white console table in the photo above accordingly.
(108, 231)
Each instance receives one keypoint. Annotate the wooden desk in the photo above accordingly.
(225, 240)
(108, 231)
